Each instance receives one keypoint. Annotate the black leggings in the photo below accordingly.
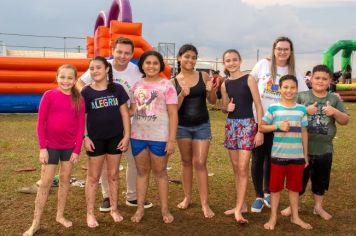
(318, 171)
(261, 165)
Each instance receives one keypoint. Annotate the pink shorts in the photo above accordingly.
(293, 173)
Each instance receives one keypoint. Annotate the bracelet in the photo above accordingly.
(278, 126)
(85, 136)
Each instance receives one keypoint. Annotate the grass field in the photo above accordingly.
(18, 149)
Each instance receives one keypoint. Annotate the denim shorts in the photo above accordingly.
(156, 147)
(198, 132)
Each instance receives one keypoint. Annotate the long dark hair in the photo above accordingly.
(184, 49)
(74, 93)
(111, 85)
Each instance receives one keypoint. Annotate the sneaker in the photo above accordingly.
(257, 205)
(267, 200)
(133, 203)
(105, 206)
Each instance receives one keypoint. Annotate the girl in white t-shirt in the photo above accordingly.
(267, 73)
(154, 125)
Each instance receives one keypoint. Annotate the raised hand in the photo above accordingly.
(231, 106)
(185, 89)
(328, 109)
(312, 109)
(284, 126)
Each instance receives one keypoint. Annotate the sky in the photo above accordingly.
(213, 26)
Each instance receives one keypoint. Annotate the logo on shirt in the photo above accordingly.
(144, 105)
(109, 101)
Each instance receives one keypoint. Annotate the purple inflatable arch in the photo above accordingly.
(101, 20)
(120, 10)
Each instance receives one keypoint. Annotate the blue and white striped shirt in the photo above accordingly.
(287, 146)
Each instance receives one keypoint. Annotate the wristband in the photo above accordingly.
(278, 126)
(85, 136)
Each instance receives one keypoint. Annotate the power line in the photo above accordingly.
(41, 36)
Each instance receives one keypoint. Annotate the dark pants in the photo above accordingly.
(318, 171)
(261, 165)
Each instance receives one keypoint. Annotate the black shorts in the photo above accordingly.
(106, 146)
(218, 94)
(54, 155)
(318, 171)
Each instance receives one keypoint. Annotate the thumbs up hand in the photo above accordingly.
(284, 126)
(209, 85)
(185, 89)
(231, 105)
(312, 109)
(328, 109)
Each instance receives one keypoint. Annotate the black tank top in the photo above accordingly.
(193, 110)
(239, 90)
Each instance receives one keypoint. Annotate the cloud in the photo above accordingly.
(296, 3)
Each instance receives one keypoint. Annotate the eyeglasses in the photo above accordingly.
(282, 49)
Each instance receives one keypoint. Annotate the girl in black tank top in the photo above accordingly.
(193, 134)
(239, 92)
(193, 110)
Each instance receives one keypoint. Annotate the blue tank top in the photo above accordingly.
(193, 110)
(239, 90)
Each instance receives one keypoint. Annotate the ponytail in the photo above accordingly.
(111, 85)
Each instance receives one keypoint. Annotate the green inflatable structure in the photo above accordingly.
(347, 46)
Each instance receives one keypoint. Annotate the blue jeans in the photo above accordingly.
(198, 132)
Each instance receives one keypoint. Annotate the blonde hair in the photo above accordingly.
(75, 95)
(290, 61)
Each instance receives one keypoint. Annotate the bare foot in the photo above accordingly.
(66, 223)
(137, 217)
(91, 221)
(239, 218)
(270, 224)
(117, 217)
(208, 213)
(286, 212)
(31, 231)
(185, 203)
(167, 218)
(232, 211)
(322, 213)
(301, 223)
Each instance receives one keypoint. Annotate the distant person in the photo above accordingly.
(107, 134)
(60, 129)
(324, 109)
(217, 78)
(153, 134)
(126, 74)
(239, 92)
(347, 74)
(194, 129)
(288, 121)
(307, 78)
(267, 73)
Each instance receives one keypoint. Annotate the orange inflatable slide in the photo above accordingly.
(23, 80)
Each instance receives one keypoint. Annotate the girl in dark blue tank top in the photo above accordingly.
(194, 133)
(239, 92)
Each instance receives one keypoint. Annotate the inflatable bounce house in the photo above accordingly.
(24, 80)
(346, 91)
